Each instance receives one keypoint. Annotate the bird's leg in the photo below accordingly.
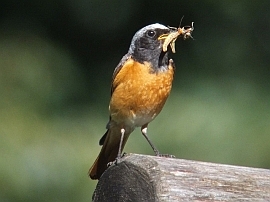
(144, 132)
(121, 143)
(119, 155)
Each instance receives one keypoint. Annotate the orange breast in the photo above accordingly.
(139, 95)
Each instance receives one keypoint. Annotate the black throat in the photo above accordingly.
(158, 59)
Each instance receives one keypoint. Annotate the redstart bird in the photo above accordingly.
(141, 84)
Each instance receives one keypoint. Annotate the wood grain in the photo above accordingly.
(150, 178)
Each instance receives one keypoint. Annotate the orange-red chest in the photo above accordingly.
(139, 94)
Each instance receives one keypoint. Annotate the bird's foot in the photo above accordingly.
(116, 161)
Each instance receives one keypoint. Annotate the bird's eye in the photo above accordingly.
(151, 33)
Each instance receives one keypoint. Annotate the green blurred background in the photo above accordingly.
(56, 63)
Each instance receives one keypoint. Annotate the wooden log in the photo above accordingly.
(150, 178)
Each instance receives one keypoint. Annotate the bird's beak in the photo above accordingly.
(163, 36)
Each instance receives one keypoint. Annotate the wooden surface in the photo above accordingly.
(149, 178)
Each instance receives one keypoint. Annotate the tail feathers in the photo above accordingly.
(108, 152)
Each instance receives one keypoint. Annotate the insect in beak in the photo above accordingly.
(171, 37)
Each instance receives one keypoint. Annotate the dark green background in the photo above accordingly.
(56, 62)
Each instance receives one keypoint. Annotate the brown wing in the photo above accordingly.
(118, 68)
(116, 71)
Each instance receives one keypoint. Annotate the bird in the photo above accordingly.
(141, 84)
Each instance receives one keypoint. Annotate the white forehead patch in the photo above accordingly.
(149, 27)
(155, 26)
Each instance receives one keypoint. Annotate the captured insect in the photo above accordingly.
(170, 38)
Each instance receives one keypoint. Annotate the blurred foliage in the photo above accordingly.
(56, 62)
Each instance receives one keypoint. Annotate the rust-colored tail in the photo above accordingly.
(108, 151)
